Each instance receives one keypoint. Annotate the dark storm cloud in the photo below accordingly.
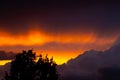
(6, 55)
(102, 17)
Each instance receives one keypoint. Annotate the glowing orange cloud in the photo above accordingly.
(38, 38)
(35, 37)
(32, 38)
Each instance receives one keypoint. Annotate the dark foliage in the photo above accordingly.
(24, 67)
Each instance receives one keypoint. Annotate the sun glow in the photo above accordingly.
(3, 62)
(38, 38)
(31, 38)
(35, 37)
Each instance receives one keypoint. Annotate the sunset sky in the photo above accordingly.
(62, 29)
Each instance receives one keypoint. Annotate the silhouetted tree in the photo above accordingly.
(46, 69)
(21, 67)
(24, 67)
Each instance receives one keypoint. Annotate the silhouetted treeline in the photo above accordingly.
(24, 67)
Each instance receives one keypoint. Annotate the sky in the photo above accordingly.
(62, 29)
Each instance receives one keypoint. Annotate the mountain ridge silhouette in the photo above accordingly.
(86, 65)
(89, 62)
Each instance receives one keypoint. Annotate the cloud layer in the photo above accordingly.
(59, 27)
(86, 66)
(60, 18)
(6, 55)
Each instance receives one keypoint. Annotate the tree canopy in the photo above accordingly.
(24, 67)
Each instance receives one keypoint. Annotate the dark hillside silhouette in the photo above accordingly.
(110, 73)
(87, 65)
(24, 67)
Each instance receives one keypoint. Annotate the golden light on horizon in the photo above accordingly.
(3, 62)
(61, 57)
(38, 38)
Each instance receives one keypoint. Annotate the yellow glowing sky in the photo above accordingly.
(37, 38)
(62, 30)
(3, 62)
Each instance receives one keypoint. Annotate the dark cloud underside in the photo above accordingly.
(59, 27)
(6, 55)
(61, 17)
